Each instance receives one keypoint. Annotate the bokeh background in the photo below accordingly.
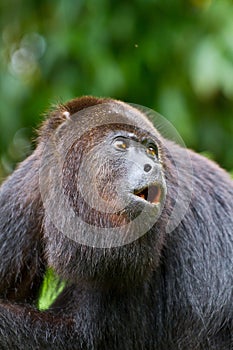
(173, 56)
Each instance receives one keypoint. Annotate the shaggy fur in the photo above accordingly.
(165, 290)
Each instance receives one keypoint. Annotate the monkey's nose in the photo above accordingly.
(147, 168)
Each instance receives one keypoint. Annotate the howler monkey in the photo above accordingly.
(139, 228)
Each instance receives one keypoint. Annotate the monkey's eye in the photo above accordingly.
(121, 144)
(152, 151)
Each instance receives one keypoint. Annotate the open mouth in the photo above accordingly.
(151, 194)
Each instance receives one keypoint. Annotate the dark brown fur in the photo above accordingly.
(165, 290)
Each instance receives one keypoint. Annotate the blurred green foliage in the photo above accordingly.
(173, 56)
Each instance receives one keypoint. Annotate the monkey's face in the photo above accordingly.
(130, 172)
(108, 191)
(127, 176)
(115, 186)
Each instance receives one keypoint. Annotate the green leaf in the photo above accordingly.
(51, 288)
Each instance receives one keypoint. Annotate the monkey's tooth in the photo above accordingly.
(154, 195)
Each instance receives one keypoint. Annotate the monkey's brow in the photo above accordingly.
(128, 135)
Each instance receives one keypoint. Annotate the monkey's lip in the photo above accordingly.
(151, 194)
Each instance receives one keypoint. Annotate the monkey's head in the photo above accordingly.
(103, 189)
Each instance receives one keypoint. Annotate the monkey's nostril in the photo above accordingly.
(147, 168)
